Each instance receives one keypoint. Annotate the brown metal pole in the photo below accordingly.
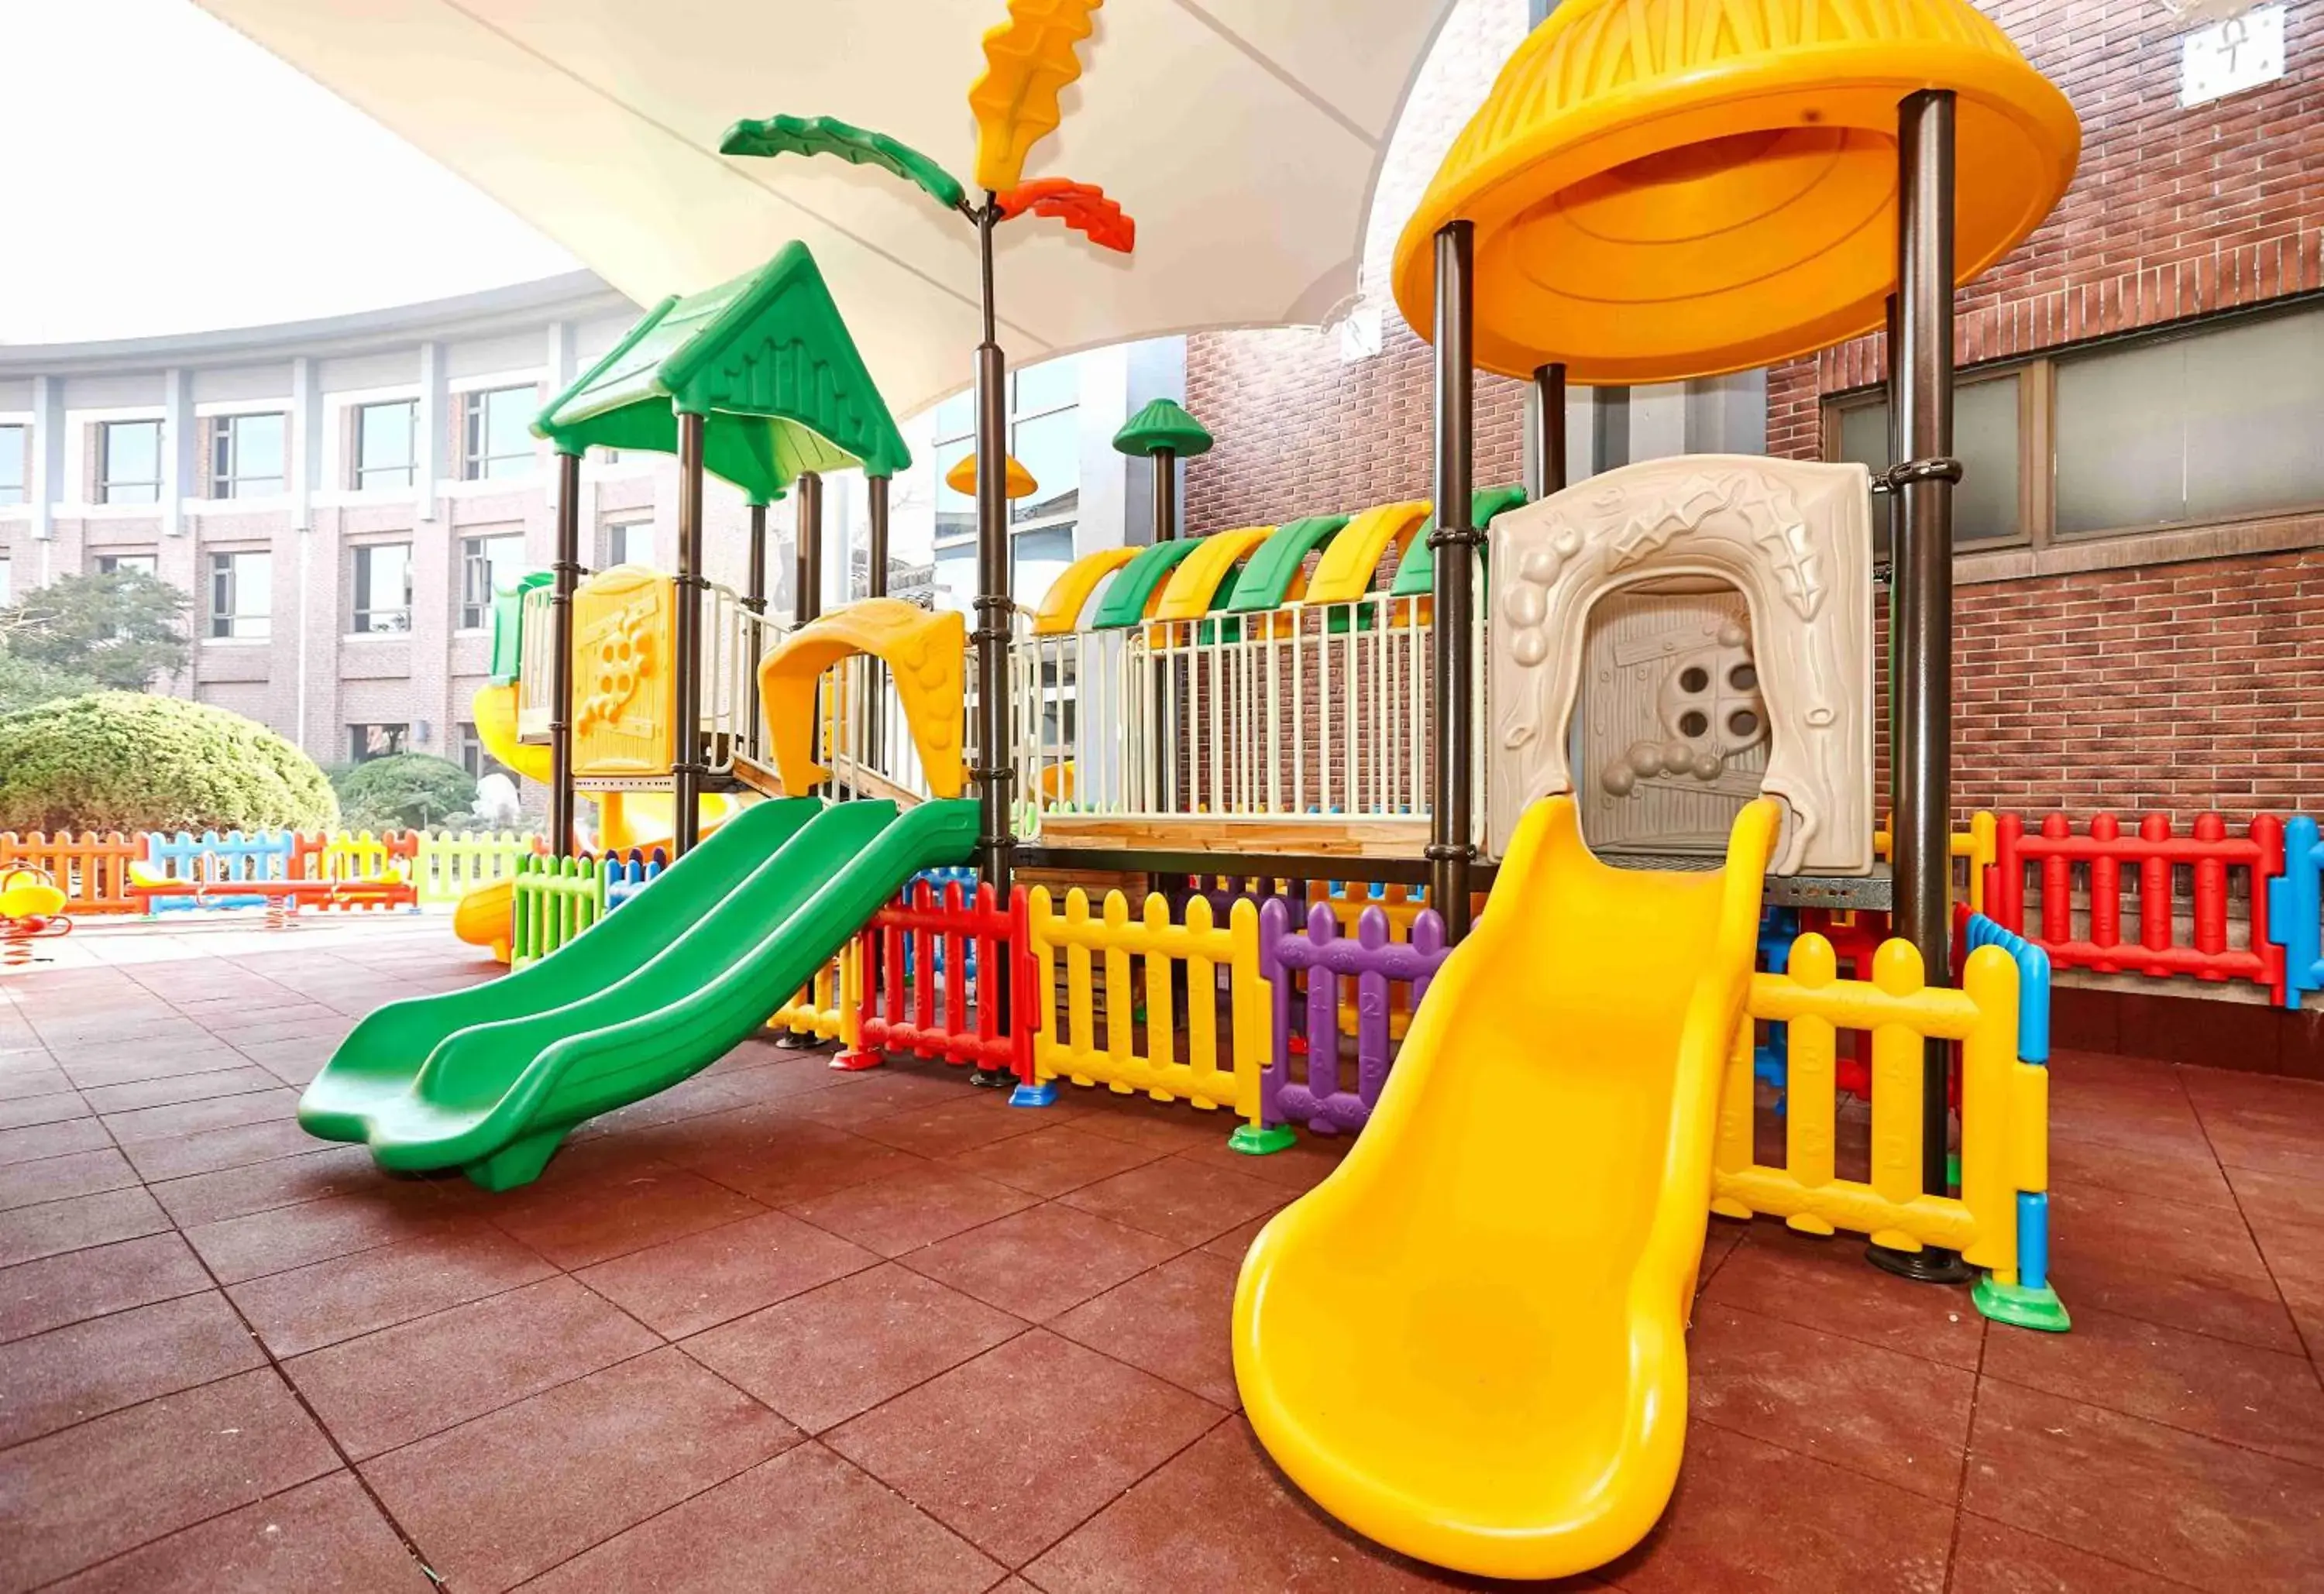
(876, 490)
(566, 575)
(1921, 572)
(997, 847)
(754, 593)
(1454, 543)
(809, 602)
(1165, 472)
(686, 770)
(1549, 430)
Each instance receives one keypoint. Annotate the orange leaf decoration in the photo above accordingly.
(1029, 61)
(1081, 206)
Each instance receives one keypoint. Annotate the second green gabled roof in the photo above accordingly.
(765, 358)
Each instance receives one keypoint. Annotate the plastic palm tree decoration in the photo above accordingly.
(1029, 61)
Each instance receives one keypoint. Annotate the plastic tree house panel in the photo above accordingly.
(1793, 539)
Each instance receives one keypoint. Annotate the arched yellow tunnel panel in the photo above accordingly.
(1061, 607)
(1352, 560)
(923, 650)
(1195, 583)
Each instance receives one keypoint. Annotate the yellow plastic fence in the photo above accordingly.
(827, 1005)
(2005, 1105)
(1096, 954)
(1973, 846)
(449, 864)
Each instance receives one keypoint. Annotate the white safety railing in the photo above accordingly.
(755, 636)
(729, 698)
(862, 736)
(535, 650)
(1304, 711)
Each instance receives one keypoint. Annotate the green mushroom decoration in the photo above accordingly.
(1162, 433)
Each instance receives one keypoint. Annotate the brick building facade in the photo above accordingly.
(2172, 665)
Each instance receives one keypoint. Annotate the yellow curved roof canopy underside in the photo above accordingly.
(1672, 189)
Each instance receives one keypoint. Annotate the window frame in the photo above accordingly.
(625, 530)
(475, 434)
(358, 473)
(222, 566)
(2037, 401)
(476, 613)
(942, 440)
(400, 737)
(226, 478)
(106, 485)
(357, 612)
(22, 487)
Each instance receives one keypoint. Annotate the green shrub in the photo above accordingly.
(132, 761)
(404, 791)
(26, 683)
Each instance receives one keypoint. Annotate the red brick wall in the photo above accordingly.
(2172, 212)
(1301, 433)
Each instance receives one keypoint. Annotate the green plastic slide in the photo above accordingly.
(490, 1079)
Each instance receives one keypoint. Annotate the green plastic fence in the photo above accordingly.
(551, 901)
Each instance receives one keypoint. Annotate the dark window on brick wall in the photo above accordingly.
(16, 462)
(487, 564)
(497, 432)
(241, 595)
(247, 455)
(386, 445)
(382, 587)
(376, 740)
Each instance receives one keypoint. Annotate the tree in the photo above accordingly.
(122, 629)
(25, 684)
(138, 760)
(404, 791)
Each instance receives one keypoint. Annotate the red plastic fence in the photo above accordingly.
(2151, 858)
(919, 944)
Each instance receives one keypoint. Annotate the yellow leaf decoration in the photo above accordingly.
(1028, 59)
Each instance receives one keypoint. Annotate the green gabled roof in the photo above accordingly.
(1268, 574)
(764, 358)
(1415, 573)
(1133, 588)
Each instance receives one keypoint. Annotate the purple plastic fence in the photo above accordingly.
(1372, 960)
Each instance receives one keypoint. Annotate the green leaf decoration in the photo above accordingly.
(828, 135)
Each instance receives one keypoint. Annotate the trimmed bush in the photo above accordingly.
(132, 761)
(404, 791)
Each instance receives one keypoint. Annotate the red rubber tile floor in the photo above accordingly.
(795, 1330)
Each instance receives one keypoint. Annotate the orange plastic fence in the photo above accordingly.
(93, 870)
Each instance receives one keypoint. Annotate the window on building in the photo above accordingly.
(2185, 427)
(382, 587)
(376, 740)
(114, 564)
(387, 445)
(16, 462)
(242, 595)
(1986, 508)
(487, 564)
(1045, 437)
(129, 462)
(496, 430)
(628, 542)
(471, 756)
(7, 584)
(246, 456)
(2216, 424)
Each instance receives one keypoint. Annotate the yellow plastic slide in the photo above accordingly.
(625, 820)
(1469, 1341)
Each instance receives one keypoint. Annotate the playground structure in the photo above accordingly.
(1257, 704)
(31, 908)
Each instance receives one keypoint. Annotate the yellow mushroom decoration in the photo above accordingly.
(961, 477)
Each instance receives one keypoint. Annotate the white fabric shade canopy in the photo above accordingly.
(1245, 137)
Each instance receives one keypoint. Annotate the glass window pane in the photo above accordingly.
(957, 416)
(2121, 437)
(1051, 449)
(1041, 557)
(1048, 386)
(383, 443)
(254, 593)
(7, 584)
(258, 454)
(2255, 400)
(956, 512)
(1985, 440)
(955, 577)
(132, 462)
(507, 438)
(16, 462)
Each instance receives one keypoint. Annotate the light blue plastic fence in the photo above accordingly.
(2295, 909)
(214, 860)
